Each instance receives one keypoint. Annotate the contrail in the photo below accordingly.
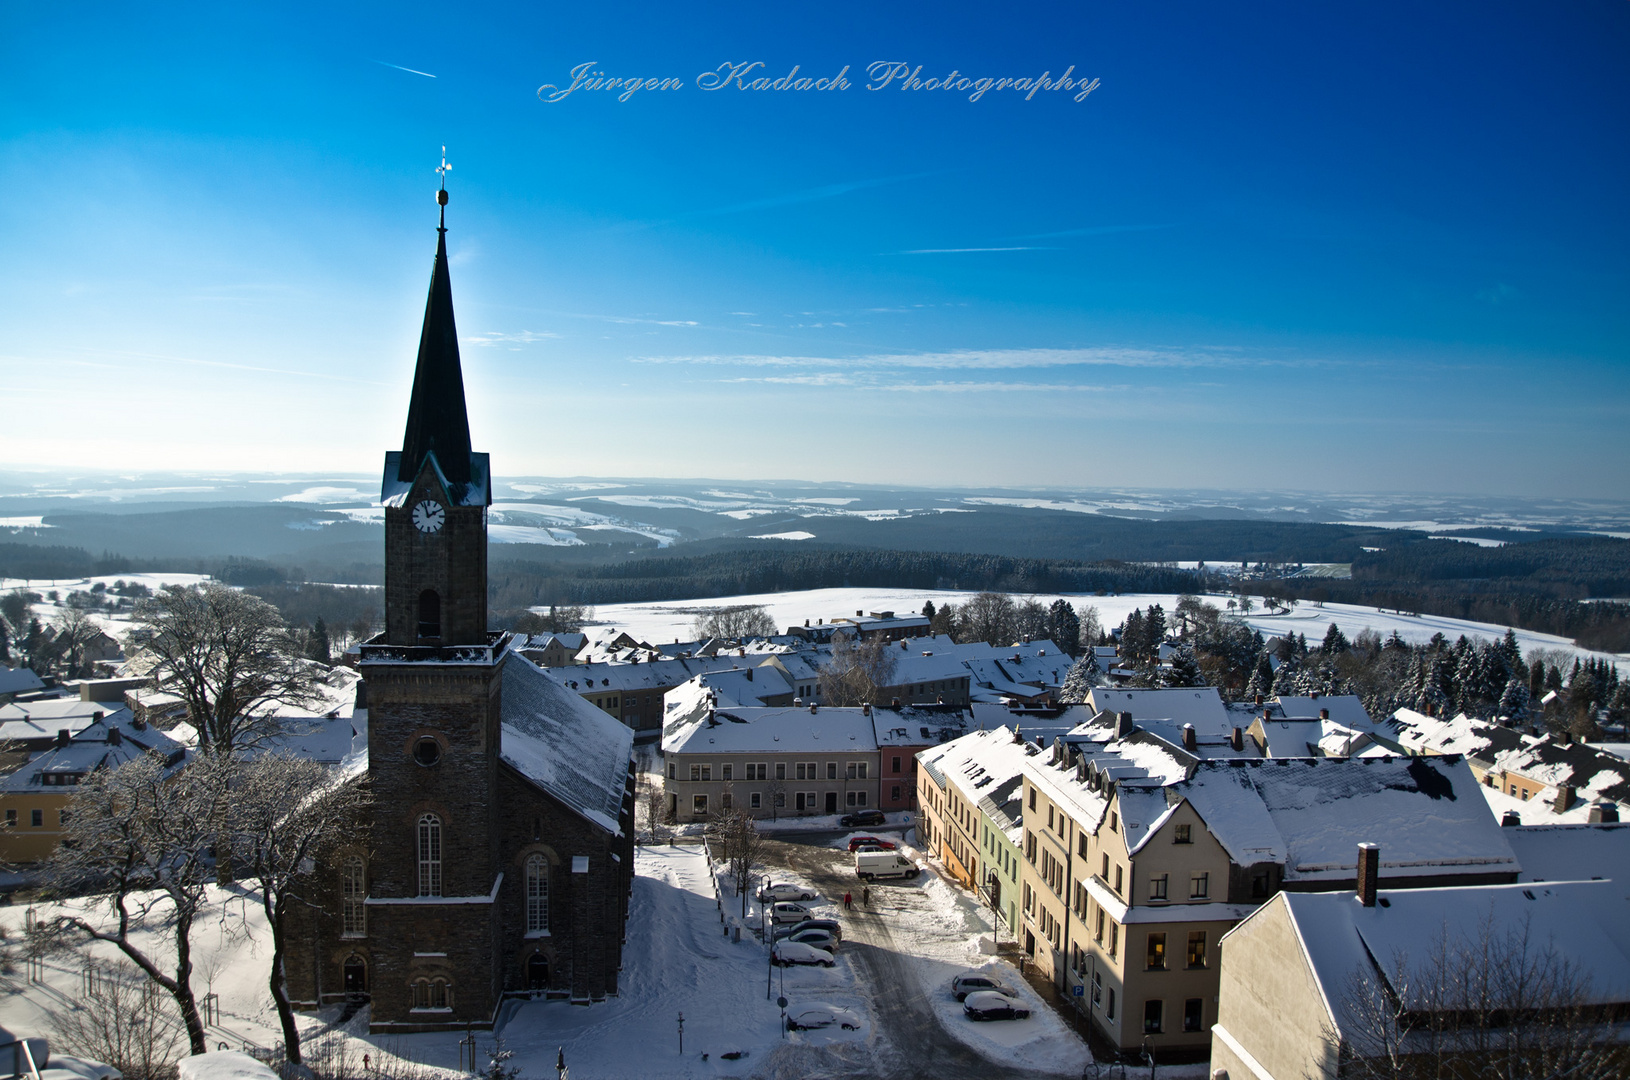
(399, 67)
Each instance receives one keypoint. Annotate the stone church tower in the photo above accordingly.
(497, 856)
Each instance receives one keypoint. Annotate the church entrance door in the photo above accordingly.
(537, 972)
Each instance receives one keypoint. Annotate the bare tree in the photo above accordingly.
(1482, 1004)
(140, 834)
(1030, 620)
(653, 809)
(228, 655)
(73, 630)
(989, 617)
(118, 1019)
(857, 671)
(736, 622)
(741, 847)
(283, 812)
(775, 789)
(1092, 628)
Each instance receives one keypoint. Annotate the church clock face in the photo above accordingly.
(429, 517)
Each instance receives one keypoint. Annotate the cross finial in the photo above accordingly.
(443, 168)
(441, 196)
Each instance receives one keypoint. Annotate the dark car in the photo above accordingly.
(862, 818)
(873, 843)
(989, 1005)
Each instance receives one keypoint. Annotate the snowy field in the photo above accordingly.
(672, 620)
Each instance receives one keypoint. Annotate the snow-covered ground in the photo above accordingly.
(672, 620)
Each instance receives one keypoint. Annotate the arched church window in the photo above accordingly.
(432, 994)
(430, 855)
(537, 894)
(353, 894)
(429, 614)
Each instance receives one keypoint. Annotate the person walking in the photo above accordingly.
(848, 901)
(866, 896)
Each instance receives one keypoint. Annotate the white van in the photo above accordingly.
(870, 865)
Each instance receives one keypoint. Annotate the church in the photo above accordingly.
(496, 858)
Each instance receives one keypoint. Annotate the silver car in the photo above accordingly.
(971, 981)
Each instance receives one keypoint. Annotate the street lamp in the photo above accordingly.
(681, 1033)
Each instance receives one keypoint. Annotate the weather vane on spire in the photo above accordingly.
(441, 196)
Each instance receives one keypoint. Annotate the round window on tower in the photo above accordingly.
(427, 751)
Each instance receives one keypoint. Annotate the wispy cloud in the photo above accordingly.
(523, 337)
(399, 67)
(1096, 230)
(997, 359)
(960, 251)
(790, 198)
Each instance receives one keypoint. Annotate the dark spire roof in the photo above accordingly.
(436, 419)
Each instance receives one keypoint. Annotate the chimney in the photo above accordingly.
(1123, 724)
(1564, 798)
(813, 707)
(1259, 699)
(858, 614)
(866, 709)
(749, 674)
(63, 736)
(1191, 742)
(1604, 813)
(1237, 740)
(1369, 872)
(1324, 714)
(1510, 819)
(97, 715)
(902, 644)
(139, 724)
(115, 736)
(895, 702)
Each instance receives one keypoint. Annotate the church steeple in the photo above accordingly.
(437, 421)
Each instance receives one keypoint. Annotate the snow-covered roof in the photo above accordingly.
(110, 742)
(828, 730)
(223, 1065)
(1344, 709)
(1200, 706)
(1586, 922)
(564, 745)
(317, 738)
(981, 765)
(18, 681)
(53, 711)
(914, 667)
(919, 725)
(1310, 815)
(1580, 852)
(745, 686)
(1462, 734)
(655, 675)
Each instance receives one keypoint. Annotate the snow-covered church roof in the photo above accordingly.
(567, 747)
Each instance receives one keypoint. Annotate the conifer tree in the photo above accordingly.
(1083, 676)
(1334, 641)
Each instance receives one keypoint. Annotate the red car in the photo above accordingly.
(858, 842)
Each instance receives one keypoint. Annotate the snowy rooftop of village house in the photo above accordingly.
(794, 729)
(109, 742)
(19, 680)
(1588, 922)
(1591, 772)
(652, 675)
(1310, 815)
(919, 725)
(563, 744)
(1576, 852)
(1201, 706)
(981, 764)
(52, 712)
(745, 686)
(992, 682)
(1462, 734)
(1345, 709)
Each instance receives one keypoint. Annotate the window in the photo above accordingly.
(1105, 873)
(1197, 948)
(427, 751)
(1098, 932)
(1114, 939)
(1049, 817)
(431, 994)
(1097, 987)
(1183, 835)
(755, 801)
(894, 793)
(862, 769)
(430, 855)
(537, 894)
(1081, 844)
(831, 770)
(801, 775)
(671, 771)
(759, 771)
(1110, 1012)
(1114, 821)
(1193, 1017)
(36, 818)
(809, 799)
(1032, 798)
(1117, 881)
(429, 614)
(707, 772)
(781, 770)
(1152, 1011)
(1156, 959)
(695, 772)
(11, 818)
(353, 893)
(895, 763)
(856, 798)
(698, 805)
(62, 817)
(1199, 886)
(728, 771)
(800, 800)
(1157, 887)
(1259, 883)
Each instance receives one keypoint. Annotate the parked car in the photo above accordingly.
(788, 912)
(787, 953)
(970, 981)
(813, 1017)
(875, 842)
(860, 819)
(989, 1005)
(824, 940)
(829, 925)
(31, 1055)
(871, 865)
(784, 891)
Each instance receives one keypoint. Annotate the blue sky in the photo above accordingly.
(1366, 247)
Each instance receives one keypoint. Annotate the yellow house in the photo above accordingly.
(34, 799)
